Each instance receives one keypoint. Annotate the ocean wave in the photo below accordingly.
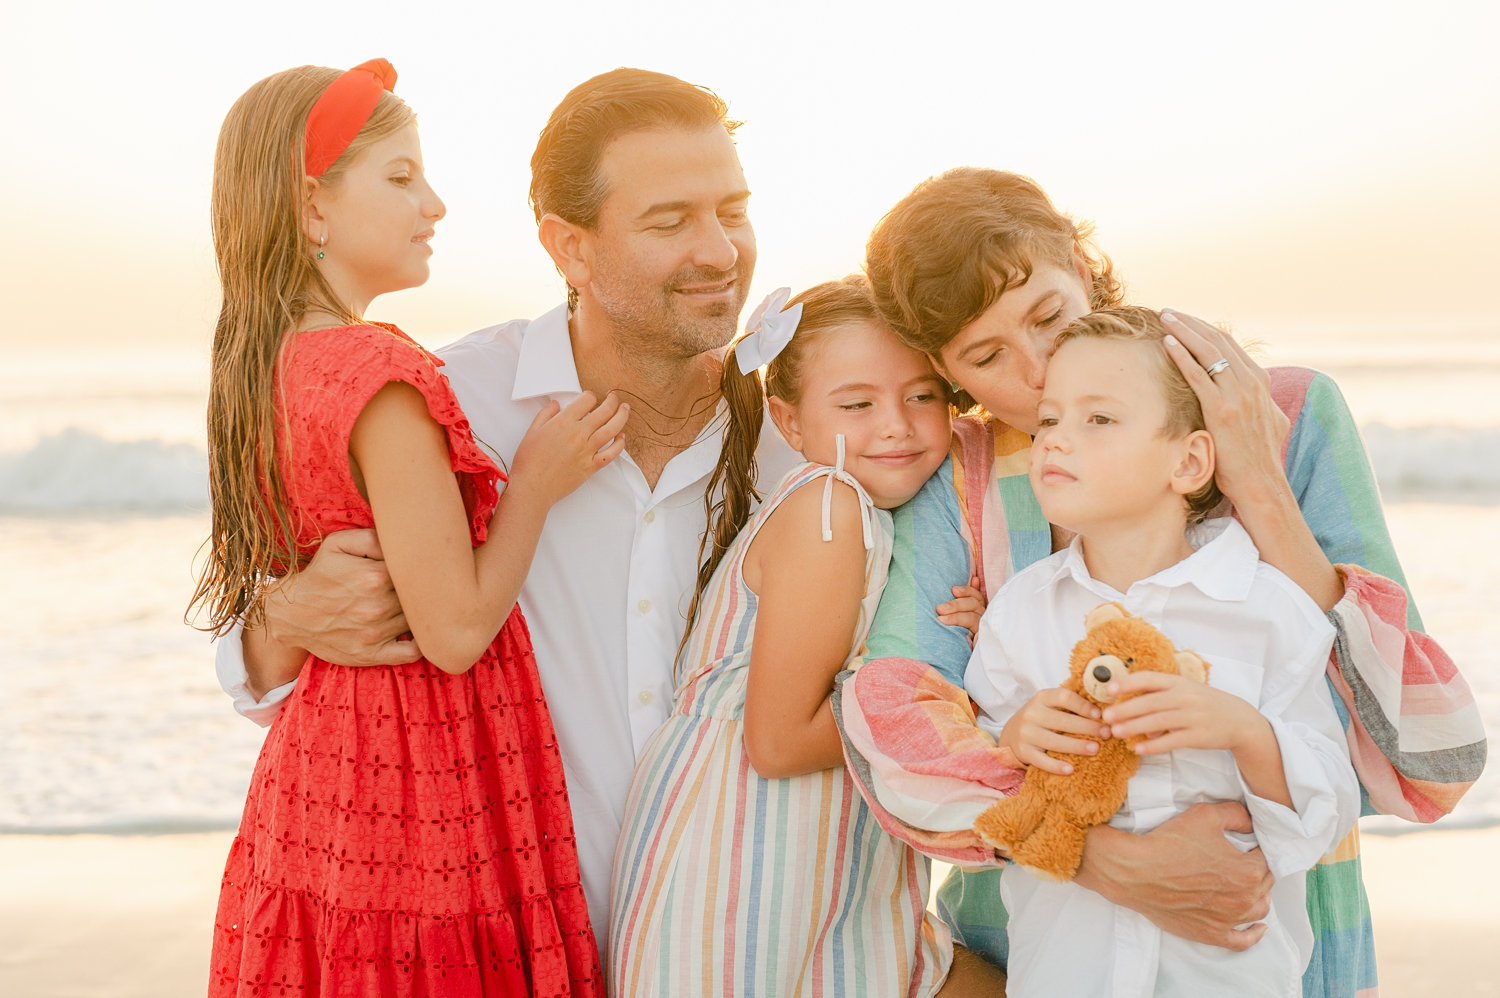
(79, 470)
(123, 825)
(1435, 463)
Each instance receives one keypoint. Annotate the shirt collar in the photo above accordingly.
(1222, 565)
(546, 365)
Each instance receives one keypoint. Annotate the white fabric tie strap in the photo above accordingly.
(864, 508)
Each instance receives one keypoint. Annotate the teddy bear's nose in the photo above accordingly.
(1102, 673)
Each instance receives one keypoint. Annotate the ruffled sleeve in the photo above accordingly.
(919, 757)
(326, 379)
(1414, 731)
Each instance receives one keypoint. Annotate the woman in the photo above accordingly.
(978, 269)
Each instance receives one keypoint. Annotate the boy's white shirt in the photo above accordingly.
(1265, 641)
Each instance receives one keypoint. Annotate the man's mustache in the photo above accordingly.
(697, 276)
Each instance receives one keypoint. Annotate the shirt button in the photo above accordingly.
(650, 516)
(645, 696)
(644, 606)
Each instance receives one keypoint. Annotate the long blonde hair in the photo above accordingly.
(270, 281)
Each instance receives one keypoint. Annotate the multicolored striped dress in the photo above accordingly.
(1414, 733)
(729, 884)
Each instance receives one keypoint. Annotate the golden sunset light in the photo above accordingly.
(1320, 178)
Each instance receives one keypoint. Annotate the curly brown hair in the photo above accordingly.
(949, 249)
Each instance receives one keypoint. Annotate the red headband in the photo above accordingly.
(342, 111)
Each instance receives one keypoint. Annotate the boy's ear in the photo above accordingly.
(784, 415)
(1197, 465)
(568, 246)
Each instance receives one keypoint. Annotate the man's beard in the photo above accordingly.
(657, 321)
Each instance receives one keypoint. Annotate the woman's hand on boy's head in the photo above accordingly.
(1054, 720)
(1247, 426)
(1250, 432)
(1177, 712)
(965, 610)
(565, 445)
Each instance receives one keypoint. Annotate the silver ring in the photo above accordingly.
(1216, 367)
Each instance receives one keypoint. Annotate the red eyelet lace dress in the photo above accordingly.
(407, 831)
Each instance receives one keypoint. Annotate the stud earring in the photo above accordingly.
(321, 240)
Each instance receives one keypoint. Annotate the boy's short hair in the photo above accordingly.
(1184, 410)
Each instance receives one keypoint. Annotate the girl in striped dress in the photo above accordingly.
(748, 863)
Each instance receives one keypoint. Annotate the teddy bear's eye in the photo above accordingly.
(1130, 663)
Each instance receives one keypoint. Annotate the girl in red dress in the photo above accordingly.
(407, 829)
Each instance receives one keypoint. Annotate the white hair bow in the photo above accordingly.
(770, 330)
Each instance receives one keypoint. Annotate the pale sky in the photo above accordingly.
(1263, 163)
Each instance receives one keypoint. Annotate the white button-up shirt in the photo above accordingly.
(1266, 642)
(607, 594)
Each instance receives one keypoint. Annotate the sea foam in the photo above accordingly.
(77, 469)
(80, 470)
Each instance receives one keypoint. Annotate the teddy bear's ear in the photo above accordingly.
(1104, 612)
(1191, 666)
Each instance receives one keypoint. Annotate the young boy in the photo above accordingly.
(1121, 458)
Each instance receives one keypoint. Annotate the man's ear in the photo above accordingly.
(1197, 465)
(784, 415)
(568, 246)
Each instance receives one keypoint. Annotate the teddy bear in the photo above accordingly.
(1043, 826)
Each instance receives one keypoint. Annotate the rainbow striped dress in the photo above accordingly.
(729, 884)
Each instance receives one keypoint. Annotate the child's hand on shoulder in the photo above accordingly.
(1179, 712)
(964, 610)
(565, 445)
(1054, 720)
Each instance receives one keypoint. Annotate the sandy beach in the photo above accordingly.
(99, 916)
